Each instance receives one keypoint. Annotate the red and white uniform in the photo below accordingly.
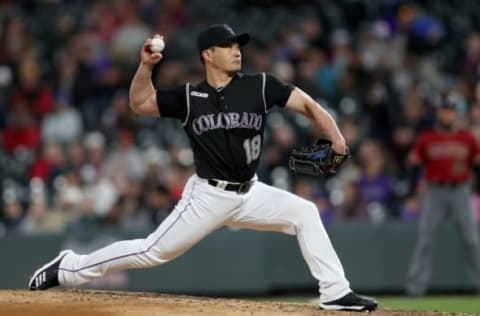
(446, 156)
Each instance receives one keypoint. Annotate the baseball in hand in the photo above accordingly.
(157, 45)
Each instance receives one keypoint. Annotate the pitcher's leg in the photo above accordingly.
(272, 209)
(432, 213)
(77, 269)
(467, 228)
(188, 223)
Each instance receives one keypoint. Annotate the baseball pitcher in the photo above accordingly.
(224, 118)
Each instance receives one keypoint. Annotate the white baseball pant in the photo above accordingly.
(204, 208)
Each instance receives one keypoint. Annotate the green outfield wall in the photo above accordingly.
(375, 258)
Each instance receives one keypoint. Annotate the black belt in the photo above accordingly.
(240, 188)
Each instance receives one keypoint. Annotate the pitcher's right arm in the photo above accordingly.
(143, 97)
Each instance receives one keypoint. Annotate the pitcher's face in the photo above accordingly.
(227, 57)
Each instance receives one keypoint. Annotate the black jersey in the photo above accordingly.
(225, 126)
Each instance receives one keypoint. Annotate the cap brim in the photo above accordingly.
(241, 39)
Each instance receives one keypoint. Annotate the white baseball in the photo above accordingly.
(157, 45)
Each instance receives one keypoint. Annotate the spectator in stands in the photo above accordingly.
(17, 38)
(158, 204)
(63, 125)
(13, 214)
(380, 110)
(101, 196)
(410, 210)
(69, 195)
(474, 110)
(135, 215)
(156, 163)
(399, 146)
(95, 165)
(117, 116)
(6, 87)
(125, 160)
(50, 164)
(31, 93)
(129, 37)
(21, 132)
(76, 156)
(375, 186)
(325, 208)
(470, 61)
(40, 219)
(349, 209)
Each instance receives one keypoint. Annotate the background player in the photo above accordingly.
(447, 155)
(224, 118)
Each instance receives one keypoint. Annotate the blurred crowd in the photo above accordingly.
(73, 155)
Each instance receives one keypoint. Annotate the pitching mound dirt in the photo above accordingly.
(103, 303)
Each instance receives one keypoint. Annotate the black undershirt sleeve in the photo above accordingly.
(276, 92)
(172, 102)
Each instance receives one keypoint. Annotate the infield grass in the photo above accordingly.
(451, 303)
(459, 304)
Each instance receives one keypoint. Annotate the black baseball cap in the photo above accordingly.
(220, 34)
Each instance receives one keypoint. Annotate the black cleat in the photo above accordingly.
(351, 302)
(47, 276)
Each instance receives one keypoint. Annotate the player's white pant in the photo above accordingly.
(204, 208)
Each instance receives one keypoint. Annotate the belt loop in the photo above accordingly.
(240, 188)
(244, 187)
(221, 184)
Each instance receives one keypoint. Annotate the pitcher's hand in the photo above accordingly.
(148, 57)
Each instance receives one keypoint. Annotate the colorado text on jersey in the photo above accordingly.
(224, 120)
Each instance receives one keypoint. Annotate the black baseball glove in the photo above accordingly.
(318, 159)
